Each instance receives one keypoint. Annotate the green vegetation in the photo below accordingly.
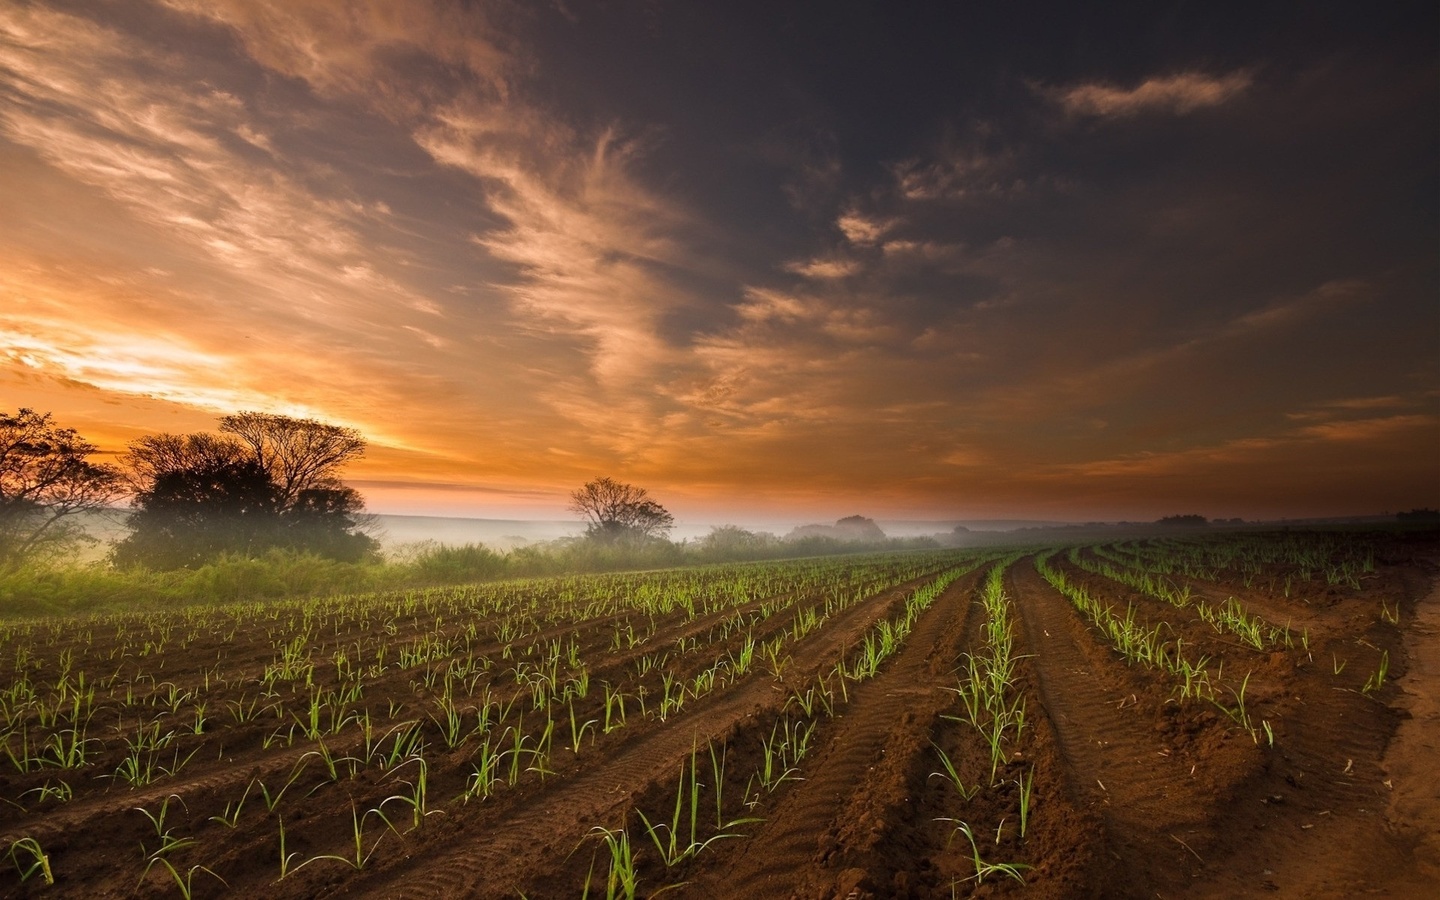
(410, 702)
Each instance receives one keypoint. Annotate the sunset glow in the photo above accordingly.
(767, 260)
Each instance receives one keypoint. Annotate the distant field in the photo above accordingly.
(1206, 716)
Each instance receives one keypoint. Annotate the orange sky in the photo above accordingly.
(762, 272)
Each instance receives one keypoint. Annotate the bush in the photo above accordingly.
(469, 562)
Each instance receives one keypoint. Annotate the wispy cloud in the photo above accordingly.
(587, 244)
(1177, 94)
(1238, 454)
(978, 164)
(258, 262)
(588, 241)
(824, 268)
(348, 46)
(861, 229)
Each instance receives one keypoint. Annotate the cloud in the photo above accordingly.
(1248, 453)
(263, 239)
(347, 46)
(588, 241)
(239, 282)
(404, 216)
(1178, 94)
(861, 229)
(824, 268)
(959, 168)
(158, 145)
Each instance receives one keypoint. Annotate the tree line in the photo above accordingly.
(264, 481)
(260, 482)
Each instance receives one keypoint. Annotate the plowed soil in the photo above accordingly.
(1132, 791)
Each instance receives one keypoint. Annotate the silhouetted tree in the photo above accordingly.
(1419, 515)
(45, 480)
(195, 512)
(1191, 520)
(267, 481)
(857, 529)
(324, 520)
(298, 454)
(615, 512)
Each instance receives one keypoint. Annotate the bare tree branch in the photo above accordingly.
(299, 454)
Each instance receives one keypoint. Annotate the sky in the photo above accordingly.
(764, 259)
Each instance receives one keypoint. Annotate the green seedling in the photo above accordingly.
(621, 880)
(186, 882)
(951, 775)
(985, 869)
(39, 861)
(230, 816)
(1377, 678)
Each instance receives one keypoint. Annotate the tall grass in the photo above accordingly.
(62, 589)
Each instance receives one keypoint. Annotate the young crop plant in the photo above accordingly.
(1377, 678)
(621, 879)
(185, 883)
(35, 860)
(680, 839)
(578, 729)
(231, 816)
(60, 791)
(952, 775)
(788, 743)
(273, 800)
(168, 841)
(985, 869)
(357, 829)
(1026, 783)
(485, 772)
(1239, 713)
(614, 709)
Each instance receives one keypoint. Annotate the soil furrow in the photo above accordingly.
(853, 786)
(1141, 790)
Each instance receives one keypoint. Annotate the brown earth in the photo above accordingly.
(1134, 793)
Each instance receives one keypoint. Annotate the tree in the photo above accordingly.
(155, 456)
(619, 512)
(299, 454)
(858, 528)
(1191, 520)
(194, 512)
(46, 480)
(265, 481)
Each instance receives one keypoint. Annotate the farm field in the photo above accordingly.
(1198, 716)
